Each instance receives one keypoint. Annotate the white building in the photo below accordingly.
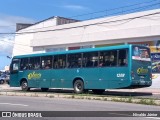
(48, 35)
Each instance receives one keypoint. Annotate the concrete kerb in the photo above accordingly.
(74, 96)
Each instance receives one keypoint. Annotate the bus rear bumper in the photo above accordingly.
(141, 83)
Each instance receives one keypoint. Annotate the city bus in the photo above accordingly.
(96, 69)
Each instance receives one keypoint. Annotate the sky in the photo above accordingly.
(32, 11)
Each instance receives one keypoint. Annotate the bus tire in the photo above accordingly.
(24, 86)
(98, 91)
(78, 86)
(44, 89)
(1, 81)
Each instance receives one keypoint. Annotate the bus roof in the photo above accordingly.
(76, 51)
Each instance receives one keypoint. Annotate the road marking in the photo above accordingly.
(13, 104)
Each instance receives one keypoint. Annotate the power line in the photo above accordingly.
(9, 41)
(122, 22)
(147, 6)
(14, 43)
(98, 23)
(88, 24)
(19, 49)
(7, 25)
(138, 8)
(137, 4)
(134, 9)
(114, 8)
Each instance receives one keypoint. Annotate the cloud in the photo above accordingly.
(75, 7)
(8, 25)
(6, 45)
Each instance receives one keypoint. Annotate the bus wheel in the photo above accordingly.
(78, 86)
(44, 89)
(1, 81)
(24, 86)
(98, 91)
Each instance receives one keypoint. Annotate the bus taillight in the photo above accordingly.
(150, 76)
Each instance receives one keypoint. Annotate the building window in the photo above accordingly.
(55, 49)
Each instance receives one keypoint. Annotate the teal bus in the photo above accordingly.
(96, 69)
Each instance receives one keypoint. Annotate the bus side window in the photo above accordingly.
(24, 64)
(14, 67)
(122, 60)
(113, 58)
(89, 62)
(74, 60)
(59, 61)
(62, 61)
(104, 59)
(46, 62)
(34, 63)
(55, 62)
(90, 59)
(30, 66)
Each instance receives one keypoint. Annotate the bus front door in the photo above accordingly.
(14, 73)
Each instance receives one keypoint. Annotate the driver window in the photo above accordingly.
(14, 66)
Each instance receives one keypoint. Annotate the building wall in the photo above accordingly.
(24, 40)
(111, 32)
(22, 44)
(120, 29)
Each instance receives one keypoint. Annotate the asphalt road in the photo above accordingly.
(22, 103)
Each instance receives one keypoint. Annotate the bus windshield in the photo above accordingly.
(141, 53)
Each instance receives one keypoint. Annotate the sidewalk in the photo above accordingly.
(146, 96)
(139, 96)
(153, 91)
(6, 87)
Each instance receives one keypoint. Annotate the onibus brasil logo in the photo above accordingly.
(34, 75)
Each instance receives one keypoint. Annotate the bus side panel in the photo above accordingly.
(45, 80)
(31, 78)
(61, 78)
(56, 78)
(101, 78)
(116, 77)
(36, 78)
(14, 80)
(91, 78)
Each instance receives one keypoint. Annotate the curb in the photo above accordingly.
(145, 101)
